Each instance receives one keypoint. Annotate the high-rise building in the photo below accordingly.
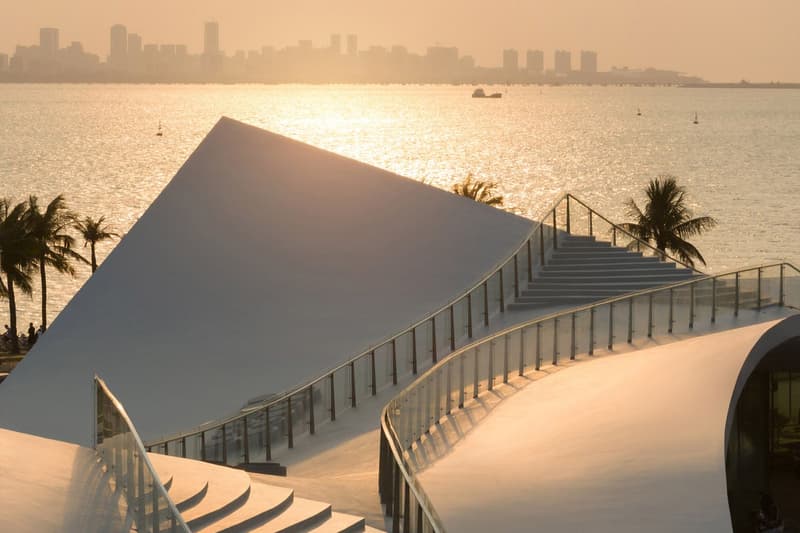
(588, 62)
(336, 43)
(134, 44)
(3, 62)
(48, 41)
(352, 45)
(534, 61)
(119, 45)
(510, 60)
(563, 62)
(211, 39)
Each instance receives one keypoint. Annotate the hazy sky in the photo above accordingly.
(717, 39)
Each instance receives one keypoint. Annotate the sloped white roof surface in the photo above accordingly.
(264, 262)
(625, 443)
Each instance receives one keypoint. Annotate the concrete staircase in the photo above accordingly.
(219, 499)
(583, 269)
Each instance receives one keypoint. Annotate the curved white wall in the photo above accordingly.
(264, 262)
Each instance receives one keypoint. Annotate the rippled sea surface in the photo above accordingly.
(741, 164)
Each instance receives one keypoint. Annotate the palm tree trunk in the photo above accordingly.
(94, 259)
(44, 292)
(12, 313)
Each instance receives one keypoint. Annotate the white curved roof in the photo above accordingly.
(632, 442)
(264, 262)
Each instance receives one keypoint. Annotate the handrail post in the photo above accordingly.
(505, 358)
(691, 306)
(490, 373)
(452, 329)
(373, 385)
(781, 298)
(502, 292)
(591, 229)
(394, 362)
(476, 373)
(224, 444)
(530, 261)
(448, 386)
(311, 422)
(572, 347)
(202, 445)
(713, 300)
(352, 384)
(268, 434)
(630, 320)
(485, 304)
(461, 383)
(569, 229)
(591, 330)
(246, 440)
(650, 315)
(611, 326)
(469, 315)
(290, 434)
(521, 351)
(555, 341)
(414, 350)
(538, 345)
(613, 235)
(541, 245)
(333, 399)
(555, 231)
(434, 354)
(671, 311)
(758, 302)
(736, 297)
(516, 277)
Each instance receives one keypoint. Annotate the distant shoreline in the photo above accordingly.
(741, 85)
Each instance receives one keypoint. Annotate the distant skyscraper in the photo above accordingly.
(563, 62)
(119, 45)
(352, 45)
(48, 41)
(211, 39)
(510, 60)
(588, 62)
(534, 61)
(134, 44)
(3, 62)
(336, 43)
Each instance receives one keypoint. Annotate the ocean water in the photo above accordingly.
(741, 164)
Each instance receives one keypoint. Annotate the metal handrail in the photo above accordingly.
(498, 266)
(389, 435)
(140, 450)
(634, 237)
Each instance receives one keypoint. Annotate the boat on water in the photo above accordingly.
(696, 121)
(480, 93)
(159, 133)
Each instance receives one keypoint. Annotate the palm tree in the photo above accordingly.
(53, 243)
(480, 191)
(667, 221)
(17, 260)
(94, 231)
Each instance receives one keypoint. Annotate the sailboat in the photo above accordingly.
(695, 118)
(159, 133)
(638, 112)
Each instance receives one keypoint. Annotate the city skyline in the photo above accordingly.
(715, 40)
(132, 58)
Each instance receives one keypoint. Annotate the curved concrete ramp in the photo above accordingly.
(263, 263)
(624, 443)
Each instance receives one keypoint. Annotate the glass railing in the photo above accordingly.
(707, 303)
(259, 432)
(123, 455)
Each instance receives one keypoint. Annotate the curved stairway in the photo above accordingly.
(219, 499)
(583, 269)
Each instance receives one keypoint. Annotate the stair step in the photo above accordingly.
(555, 293)
(627, 265)
(569, 243)
(606, 252)
(340, 523)
(592, 259)
(263, 503)
(300, 516)
(613, 272)
(654, 278)
(188, 488)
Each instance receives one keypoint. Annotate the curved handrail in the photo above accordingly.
(524, 247)
(178, 523)
(391, 440)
